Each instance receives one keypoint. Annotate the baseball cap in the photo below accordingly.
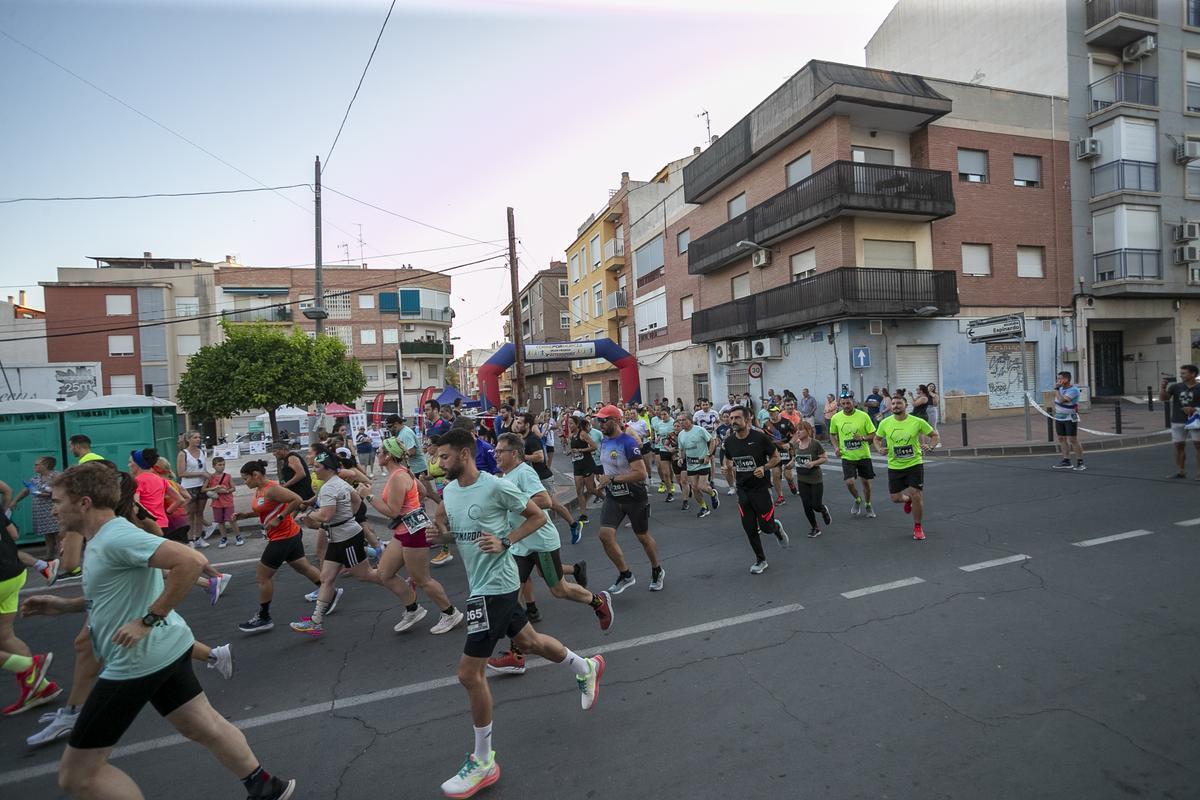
(773, 409)
(577, 413)
(344, 452)
(393, 419)
(328, 461)
(609, 412)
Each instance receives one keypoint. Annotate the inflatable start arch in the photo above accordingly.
(506, 356)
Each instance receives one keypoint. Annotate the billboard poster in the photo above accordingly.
(561, 351)
(52, 382)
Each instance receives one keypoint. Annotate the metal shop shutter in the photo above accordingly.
(916, 364)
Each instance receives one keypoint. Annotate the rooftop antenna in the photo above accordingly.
(361, 260)
(346, 247)
(707, 126)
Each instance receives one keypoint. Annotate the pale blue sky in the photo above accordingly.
(469, 107)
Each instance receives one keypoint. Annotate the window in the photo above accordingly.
(370, 372)
(120, 345)
(1192, 20)
(1127, 139)
(1027, 171)
(391, 336)
(1192, 80)
(799, 169)
(884, 253)
(648, 259)
(429, 334)
(524, 302)
(123, 384)
(564, 320)
(366, 301)
(804, 264)
(972, 165)
(343, 332)
(651, 314)
(872, 155)
(682, 240)
(574, 267)
(597, 300)
(1029, 262)
(740, 286)
(576, 311)
(736, 206)
(1125, 243)
(977, 259)
(118, 305)
(687, 307)
(562, 288)
(338, 305)
(389, 302)
(1193, 175)
(187, 306)
(389, 372)
(366, 336)
(431, 371)
(186, 345)
(594, 246)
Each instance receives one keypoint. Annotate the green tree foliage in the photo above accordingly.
(262, 366)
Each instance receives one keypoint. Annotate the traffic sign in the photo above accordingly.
(993, 328)
(860, 357)
(755, 370)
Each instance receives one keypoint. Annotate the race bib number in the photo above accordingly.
(477, 618)
(902, 451)
(693, 462)
(803, 459)
(852, 444)
(784, 456)
(618, 490)
(577, 456)
(415, 520)
(744, 464)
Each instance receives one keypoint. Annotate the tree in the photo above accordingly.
(262, 366)
(452, 377)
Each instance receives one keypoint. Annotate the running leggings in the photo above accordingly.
(813, 497)
(757, 512)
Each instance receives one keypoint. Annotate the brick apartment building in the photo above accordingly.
(544, 303)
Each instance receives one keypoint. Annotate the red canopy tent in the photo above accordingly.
(337, 409)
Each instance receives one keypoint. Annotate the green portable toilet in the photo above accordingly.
(29, 429)
(117, 424)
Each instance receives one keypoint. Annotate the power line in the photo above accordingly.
(155, 194)
(346, 116)
(403, 217)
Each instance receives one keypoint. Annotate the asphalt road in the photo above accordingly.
(1071, 673)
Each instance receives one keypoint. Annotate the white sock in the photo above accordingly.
(40, 565)
(578, 663)
(483, 742)
(318, 615)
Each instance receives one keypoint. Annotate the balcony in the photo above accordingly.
(843, 293)
(1116, 23)
(1125, 176)
(427, 348)
(431, 314)
(614, 254)
(1123, 87)
(615, 300)
(281, 314)
(1128, 265)
(840, 188)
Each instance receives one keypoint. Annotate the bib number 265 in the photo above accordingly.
(477, 616)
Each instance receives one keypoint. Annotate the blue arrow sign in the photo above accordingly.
(860, 357)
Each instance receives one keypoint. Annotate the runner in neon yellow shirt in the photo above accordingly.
(852, 432)
(900, 437)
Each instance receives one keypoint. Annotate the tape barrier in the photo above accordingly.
(1034, 403)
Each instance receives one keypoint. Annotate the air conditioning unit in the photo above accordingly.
(877, 327)
(1087, 148)
(405, 374)
(770, 347)
(1187, 152)
(739, 350)
(1186, 232)
(1139, 49)
(723, 356)
(1188, 254)
(760, 258)
(409, 327)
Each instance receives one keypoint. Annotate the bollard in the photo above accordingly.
(964, 428)
(1050, 424)
(1117, 411)
(1150, 398)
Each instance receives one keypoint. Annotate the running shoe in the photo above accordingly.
(508, 663)
(908, 506)
(1064, 464)
(50, 573)
(589, 685)
(704, 512)
(311, 597)
(856, 507)
(621, 584)
(686, 503)
(308, 627)
(28, 681)
(716, 498)
(825, 515)
(656, 579)
(59, 724)
(605, 612)
(222, 661)
(256, 624)
(337, 598)
(1079, 467)
(223, 543)
(238, 541)
(273, 789)
(670, 497)
(442, 558)
(781, 535)
(372, 555)
(577, 531)
(732, 490)
(447, 622)
(870, 512)
(532, 614)
(781, 500)
(209, 530)
(217, 586)
(792, 488)
(584, 518)
(472, 776)
(759, 567)
(581, 573)
(410, 619)
(74, 575)
(814, 533)
(918, 533)
(662, 488)
(49, 691)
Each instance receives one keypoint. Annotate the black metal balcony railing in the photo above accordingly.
(1124, 87)
(1127, 176)
(1128, 265)
(837, 294)
(432, 348)
(841, 186)
(1099, 11)
(268, 314)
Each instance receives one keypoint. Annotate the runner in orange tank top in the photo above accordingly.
(401, 502)
(273, 505)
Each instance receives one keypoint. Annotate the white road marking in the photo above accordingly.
(883, 587)
(995, 562)
(287, 715)
(1189, 523)
(1116, 537)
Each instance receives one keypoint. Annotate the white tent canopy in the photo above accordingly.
(285, 412)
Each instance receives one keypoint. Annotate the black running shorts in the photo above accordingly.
(862, 468)
(505, 616)
(349, 553)
(282, 551)
(1066, 427)
(911, 478)
(612, 514)
(112, 705)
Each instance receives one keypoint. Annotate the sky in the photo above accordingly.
(469, 106)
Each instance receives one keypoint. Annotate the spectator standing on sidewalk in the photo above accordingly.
(1183, 397)
(1066, 422)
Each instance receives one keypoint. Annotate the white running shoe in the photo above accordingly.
(337, 597)
(589, 685)
(223, 662)
(447, 622)
(410, 619)
(472, 776)
(209, 530)
(60, 724)
(311, 597)
(731, 491)
(200, 544)
(759, 568)
(224, 583)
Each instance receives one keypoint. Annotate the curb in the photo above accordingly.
(1046, 448)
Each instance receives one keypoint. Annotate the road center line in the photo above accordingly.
(1189, 523)
(883, 587)
(995, 562)
(50, 768)
(1116, 537)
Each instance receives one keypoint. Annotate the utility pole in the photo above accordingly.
(319, 283)
(518, 340)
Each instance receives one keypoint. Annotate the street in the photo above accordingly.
(1011, 655)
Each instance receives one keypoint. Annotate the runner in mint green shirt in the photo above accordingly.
(663, 426)
(900, 437)
(476, 511)
(852, 431)
(696, 445)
